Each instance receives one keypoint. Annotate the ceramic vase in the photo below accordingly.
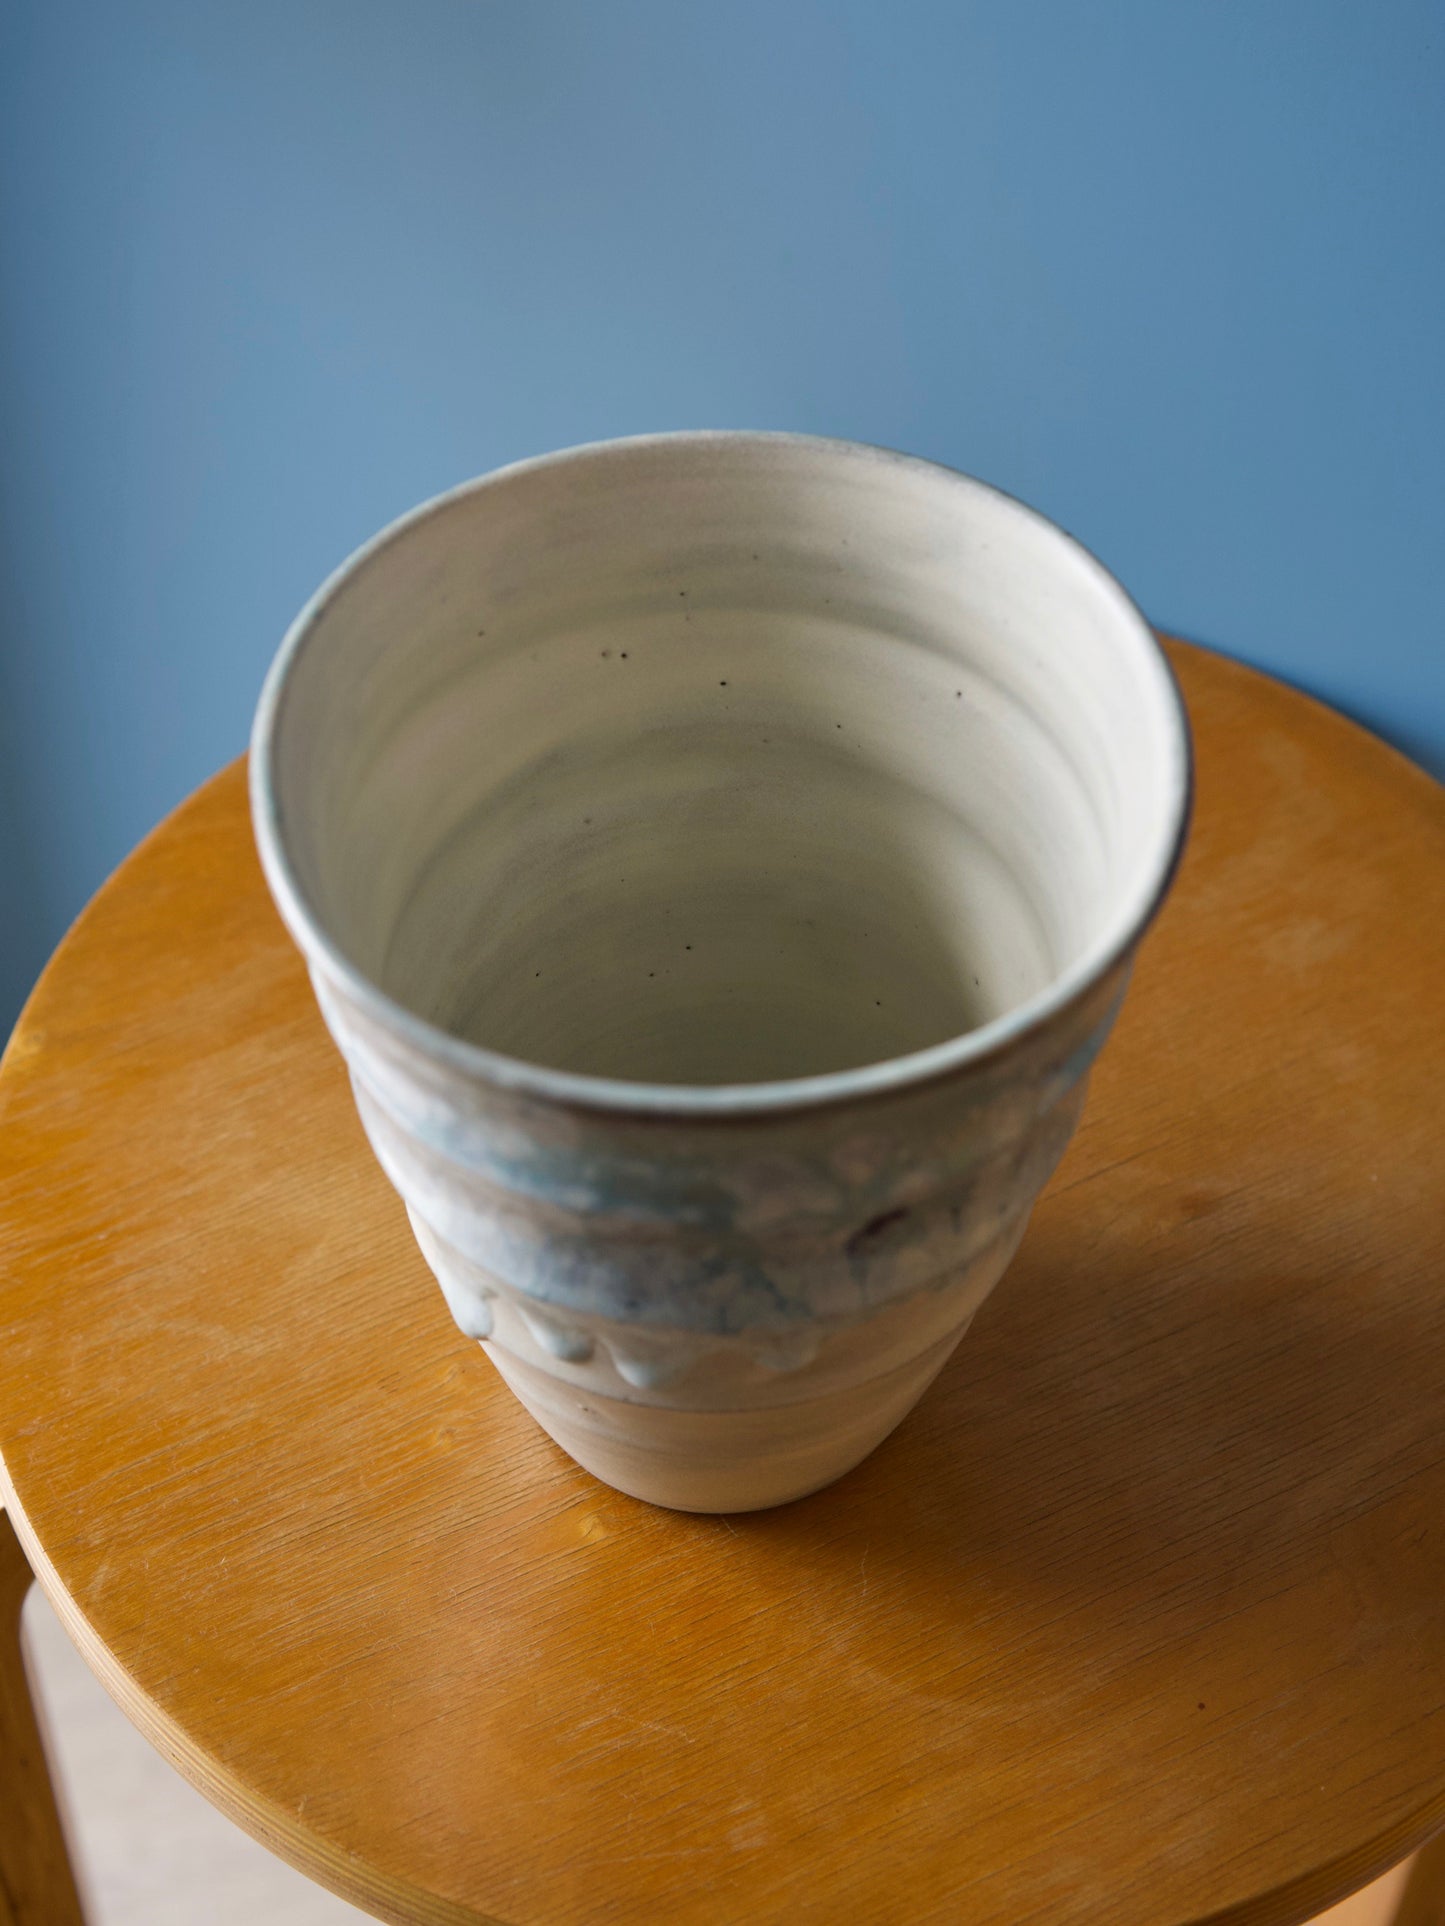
(719, 859)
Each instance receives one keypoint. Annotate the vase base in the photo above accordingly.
(721, 1461)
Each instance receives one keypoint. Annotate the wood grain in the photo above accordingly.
(1138, 1619)
(36, 1884)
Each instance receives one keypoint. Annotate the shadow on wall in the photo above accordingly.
(27, 934)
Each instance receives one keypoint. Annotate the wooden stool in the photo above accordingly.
(1139, 1619)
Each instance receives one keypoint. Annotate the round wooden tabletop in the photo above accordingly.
(1138, 1619)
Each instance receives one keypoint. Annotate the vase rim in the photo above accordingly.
(578, 1090)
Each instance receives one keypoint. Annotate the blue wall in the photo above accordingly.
(273, 270)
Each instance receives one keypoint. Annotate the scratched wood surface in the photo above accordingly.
(1139, 1619)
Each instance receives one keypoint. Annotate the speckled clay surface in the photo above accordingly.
(719, 859)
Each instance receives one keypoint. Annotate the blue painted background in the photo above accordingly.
(272, 271)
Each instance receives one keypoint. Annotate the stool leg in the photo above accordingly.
(37, 1887)
(1423, 1901)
